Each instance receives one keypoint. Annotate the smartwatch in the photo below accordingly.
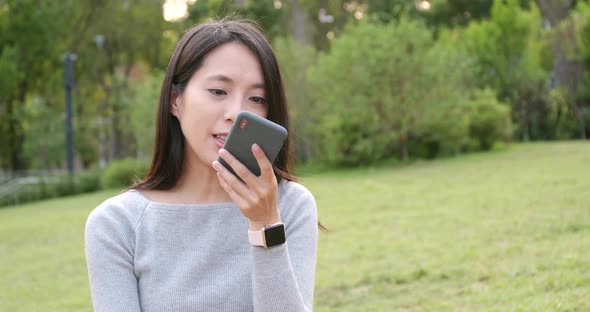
(268, 236)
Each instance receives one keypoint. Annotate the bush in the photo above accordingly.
(64, 187)
(443, 133)
(295, 59)
(489, 120)
(350, 141)
(381, 86)
(143, 103)
(122, 173)
(89, 181)
(39, 188)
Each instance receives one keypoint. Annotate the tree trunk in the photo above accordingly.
(405, 154)
(120, 145)
(524, 122)
(103, 158)
(300, 23)
(567, 72)
(16, 136)
(322, 29)
(581, 114)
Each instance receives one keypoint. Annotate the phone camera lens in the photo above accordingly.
(243, 123)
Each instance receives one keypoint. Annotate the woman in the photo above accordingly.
(191, 236)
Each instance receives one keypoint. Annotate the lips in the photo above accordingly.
(220, 139)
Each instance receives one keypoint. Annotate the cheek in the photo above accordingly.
(264, 112)
(193, 121)
(259, 110)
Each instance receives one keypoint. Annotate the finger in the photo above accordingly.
(263, 162)
(232, 181)
(235, 197)
(241, 170)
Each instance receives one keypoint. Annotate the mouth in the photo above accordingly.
(220, 137)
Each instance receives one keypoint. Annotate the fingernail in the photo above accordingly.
(255, 147)
(215, 165)
(222, 152)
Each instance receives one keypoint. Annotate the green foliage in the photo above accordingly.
(143, 102)
(88, 181)
(489, 120)
(264, 13)
(295, 59)
(382, 85)
(378, 91)
(443, 132)
(351, 140)
(52, 185)
(560, 115)
(500, 44)
(443, 128)
(510, 59)
(122, 173)
(457, 12)
(8, 68)
(41, 121)
(27, 32)
(581, 17)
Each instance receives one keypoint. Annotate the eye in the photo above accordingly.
(217, 91)
(258, 100)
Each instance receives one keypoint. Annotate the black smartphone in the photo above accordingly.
(248, 129)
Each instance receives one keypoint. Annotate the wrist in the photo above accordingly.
(257, 225)
(268, 236)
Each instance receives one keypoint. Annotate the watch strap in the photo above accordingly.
(256, 238)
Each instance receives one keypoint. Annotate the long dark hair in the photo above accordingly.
(195, 44)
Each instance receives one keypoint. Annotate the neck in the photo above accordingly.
(198, 183)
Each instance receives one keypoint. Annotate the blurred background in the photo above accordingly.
(445, 142)
(367, 80)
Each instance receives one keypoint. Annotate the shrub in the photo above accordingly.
(444, 132)
(88, 181)
(144, 97)
(65, 186)
(39, 188)
(295, 59)
(381, 86)
(350, 140)
(122, 173)
(489, 120)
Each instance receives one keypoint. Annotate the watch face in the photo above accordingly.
(274, 235)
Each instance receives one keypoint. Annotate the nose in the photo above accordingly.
(233, 107)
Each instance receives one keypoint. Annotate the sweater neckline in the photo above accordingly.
(208, 206)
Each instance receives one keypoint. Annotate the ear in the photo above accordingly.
(175, 101)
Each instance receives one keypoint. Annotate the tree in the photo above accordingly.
(508, 51)
(454, 13)
(567, 71)
(381, 86)
(295, 59)
(27, 55)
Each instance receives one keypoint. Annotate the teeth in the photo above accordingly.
(220, 138)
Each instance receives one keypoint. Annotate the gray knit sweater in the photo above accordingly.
(150, 256)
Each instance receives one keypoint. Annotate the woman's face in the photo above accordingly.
(229, 80)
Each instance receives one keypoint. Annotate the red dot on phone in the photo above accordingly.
(243, 123)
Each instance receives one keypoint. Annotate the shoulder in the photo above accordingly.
(293, 192)
(296, 199)
(122, 212)
(292, 189)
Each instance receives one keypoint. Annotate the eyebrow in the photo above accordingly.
(227, 79)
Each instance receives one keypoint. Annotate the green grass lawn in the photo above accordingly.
(502, 231)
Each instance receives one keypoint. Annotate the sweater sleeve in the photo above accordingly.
(283, 276)
(110, 244)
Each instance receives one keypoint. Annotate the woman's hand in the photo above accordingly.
(256, 197)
